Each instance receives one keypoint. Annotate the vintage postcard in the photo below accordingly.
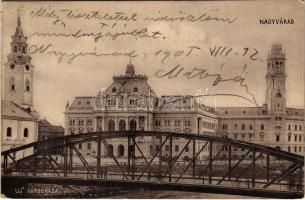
(165, 99)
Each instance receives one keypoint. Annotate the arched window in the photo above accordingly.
(114, 89)
(120, 150)
(122, 125)
(278, 95)
(26, 132)
(133, 125)
(111, 125)
(289, 137)
(135, 89)
(12, 83)
(9, 132)
(27, 85)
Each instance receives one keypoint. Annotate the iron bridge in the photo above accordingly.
(257, 170)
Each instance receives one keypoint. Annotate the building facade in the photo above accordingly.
(129, 103)
(273, 124)
(48, 131)
(19, 121)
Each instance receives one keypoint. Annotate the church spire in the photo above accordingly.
(18, 18)
(19, 44)
(130, 71)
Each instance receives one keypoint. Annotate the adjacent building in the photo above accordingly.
(48, 131)
(273, 124)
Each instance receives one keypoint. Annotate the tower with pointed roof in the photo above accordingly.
(275, 81)
(19, 122)
(18, 71)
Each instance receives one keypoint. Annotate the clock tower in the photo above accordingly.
(17, 74)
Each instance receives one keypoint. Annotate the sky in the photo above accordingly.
(56, 82)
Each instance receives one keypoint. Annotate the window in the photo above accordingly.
(27, 85)
(12, 83)
(278, 95)
(224, 126)
(289, 127)
(89, 122)
(81, 122)
(296, 127)
(23, 50)
(300, 138)
(243, 126)
(25, 132)
(300, 148)
(135, 89)
(80, 146)
(251, 127)
(295, 149)
(122, 125)
(158, 122)
(244, 112)
(262, 127)
(88, 145)
(111, 125)
(176, 148)
(12, 66)
(289, 137)
(277, 138)
(288, 148)
(235, 126)
(295, 138)
(27, 67)
(114, 89)
(9, 132)
(300, 128)
(15, 48)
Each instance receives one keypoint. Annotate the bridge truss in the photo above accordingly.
(256, 168)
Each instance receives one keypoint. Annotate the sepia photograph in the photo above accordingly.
(152, 99)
